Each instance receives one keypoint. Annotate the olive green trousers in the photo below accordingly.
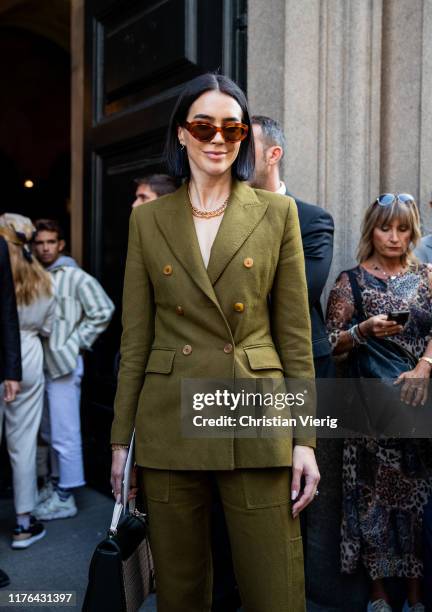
(265, 540)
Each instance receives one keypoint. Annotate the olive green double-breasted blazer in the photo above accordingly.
(183, 321)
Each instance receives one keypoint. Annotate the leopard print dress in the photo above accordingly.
(386, 484)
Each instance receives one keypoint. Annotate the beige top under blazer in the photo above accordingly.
(179, 321)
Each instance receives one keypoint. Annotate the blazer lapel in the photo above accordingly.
(176, 224)
(242, 215)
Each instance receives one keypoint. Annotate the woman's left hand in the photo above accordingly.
(119, 457)
(304, 464)
(11, 388)
(414, 390)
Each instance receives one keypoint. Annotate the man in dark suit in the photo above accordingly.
(10, 344)
(316, 226)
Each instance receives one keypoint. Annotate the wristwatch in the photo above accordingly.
(427, 359)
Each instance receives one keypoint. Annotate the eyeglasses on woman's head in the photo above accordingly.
(387, 199)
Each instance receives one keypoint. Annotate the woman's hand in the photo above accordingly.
(118, 464)
(304, 464)
(415, 383)
(379, 327)
(11, 389)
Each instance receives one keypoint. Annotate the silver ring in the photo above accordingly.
(316, 492)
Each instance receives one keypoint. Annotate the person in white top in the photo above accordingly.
(35, 302)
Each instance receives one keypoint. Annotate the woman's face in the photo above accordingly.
(392, 239)
(216, 157)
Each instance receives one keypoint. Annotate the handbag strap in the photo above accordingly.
(118, 507)
(117, 514)
(127, 476)
(358, 302)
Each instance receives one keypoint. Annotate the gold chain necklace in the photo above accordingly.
(207, 214)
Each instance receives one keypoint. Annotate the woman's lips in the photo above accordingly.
(215, 154)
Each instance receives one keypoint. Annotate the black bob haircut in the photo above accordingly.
(176, 158)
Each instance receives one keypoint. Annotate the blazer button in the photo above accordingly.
(187, 349)
(228, 348)
(238, 307)
(167, 270)
(248, 262)
(179, 311)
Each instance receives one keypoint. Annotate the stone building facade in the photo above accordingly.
(351, 82)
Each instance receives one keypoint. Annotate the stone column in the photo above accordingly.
(407, 101)
(349, 126)
(266, 57)
(425, 150)
(425, 171)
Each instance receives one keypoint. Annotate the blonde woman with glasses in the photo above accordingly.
(35, 303)
(385, 302)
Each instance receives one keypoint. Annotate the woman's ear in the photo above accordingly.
(180, 135)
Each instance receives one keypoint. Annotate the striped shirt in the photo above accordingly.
(83, 311)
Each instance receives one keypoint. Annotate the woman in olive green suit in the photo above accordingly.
(201, 265)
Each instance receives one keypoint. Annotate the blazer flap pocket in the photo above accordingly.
(263, 357)
(160, 361)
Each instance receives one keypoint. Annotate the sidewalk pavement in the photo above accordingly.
(59, 561)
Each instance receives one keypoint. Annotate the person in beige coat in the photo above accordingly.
(22, 416)
(215, 288)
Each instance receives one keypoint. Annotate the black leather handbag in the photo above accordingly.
(379, 357)
(121, 573)
(383, 359)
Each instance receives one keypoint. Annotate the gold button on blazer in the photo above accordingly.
(271, 338)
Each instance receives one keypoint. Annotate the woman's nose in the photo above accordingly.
(218, 138)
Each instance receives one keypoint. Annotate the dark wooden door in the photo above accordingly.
(138, 57)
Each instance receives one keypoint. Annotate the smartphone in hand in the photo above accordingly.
(400, 316)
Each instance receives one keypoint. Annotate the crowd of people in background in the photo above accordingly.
(52, 311)
(58, 312)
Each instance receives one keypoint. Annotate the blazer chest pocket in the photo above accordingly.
(263, 357)
(160, 361)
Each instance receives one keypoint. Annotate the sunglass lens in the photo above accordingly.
(405, 197)
(234, 133)
(202, 131)
(385, 199)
